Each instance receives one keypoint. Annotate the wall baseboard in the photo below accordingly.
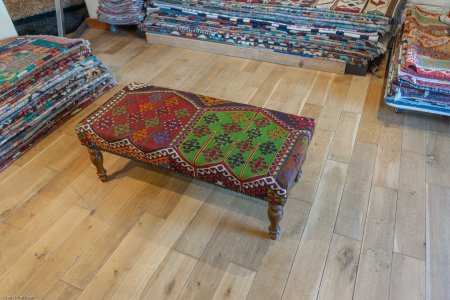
(94, 23)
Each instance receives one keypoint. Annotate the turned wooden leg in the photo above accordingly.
(275, 214)
(97, 160)
(113, 28)
(297, 177)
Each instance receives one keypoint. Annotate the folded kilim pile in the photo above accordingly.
(419, 73)
(43, 81)
(121, 12)
(352, 31)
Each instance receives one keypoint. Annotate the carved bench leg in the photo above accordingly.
(97, 160)
(297, 177)
(275, 214)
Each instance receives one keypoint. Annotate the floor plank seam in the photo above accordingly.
(81, 197)
(175, 246)
(206, 247)
(12, 225)
(272, 92)
(307, 217)
(305, 99)
(347, 237)
(13, 173)
(187, 280)
(367, 207)
(362, 237)
(329, 84)
(334, 227)
(68, 283)
(409, 256)
(393, 241)
(298, 245)
(325, 263)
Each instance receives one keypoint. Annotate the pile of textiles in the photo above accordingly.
(419, 72)
(350, 31)
(121, 12)
(43, 81)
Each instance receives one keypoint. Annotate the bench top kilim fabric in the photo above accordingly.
(251, 150)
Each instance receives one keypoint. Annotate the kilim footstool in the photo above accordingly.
(250, 150)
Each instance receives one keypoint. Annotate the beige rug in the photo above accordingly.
(19, 9)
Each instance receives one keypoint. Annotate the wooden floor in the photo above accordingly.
(368, 220)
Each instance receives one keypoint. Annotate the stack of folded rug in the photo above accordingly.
(419, 74)
(350, 31)
(43, 81)
(121, 12)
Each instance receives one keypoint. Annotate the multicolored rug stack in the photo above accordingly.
(121, 12)
(419, 73)
(352, 31)
(43, 81)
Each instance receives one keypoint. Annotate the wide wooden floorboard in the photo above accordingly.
(368, 219)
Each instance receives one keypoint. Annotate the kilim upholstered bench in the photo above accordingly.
(250, 150)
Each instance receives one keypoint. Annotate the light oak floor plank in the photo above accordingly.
(196, 237)
(252, 246)
(170, 277)
(61, 291)
(410, 217)
(219, 252)
(438, 158)
(321, 88)
(274, 269)
(146, 234)
(309, 261)
(407, 278)
(93, 258)
(36, 255)
(357, 94)
(438, 242)
(387, 164)
(319, 148)
(15, 242)
(235, 283)
(355, 199)
(339, 277)
(331, 112)
(414, 133)
(345, 136)
(370, 125)
(118, 271)
(373, 277)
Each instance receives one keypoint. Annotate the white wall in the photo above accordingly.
(92, 6)
(437, 6)
(6, 26)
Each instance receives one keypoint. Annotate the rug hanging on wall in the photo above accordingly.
(39, 17)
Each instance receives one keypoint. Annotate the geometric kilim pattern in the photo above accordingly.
(251, 150)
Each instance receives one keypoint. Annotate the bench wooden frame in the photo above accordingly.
(274, 211)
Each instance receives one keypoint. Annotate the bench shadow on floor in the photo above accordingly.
(233, 202)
